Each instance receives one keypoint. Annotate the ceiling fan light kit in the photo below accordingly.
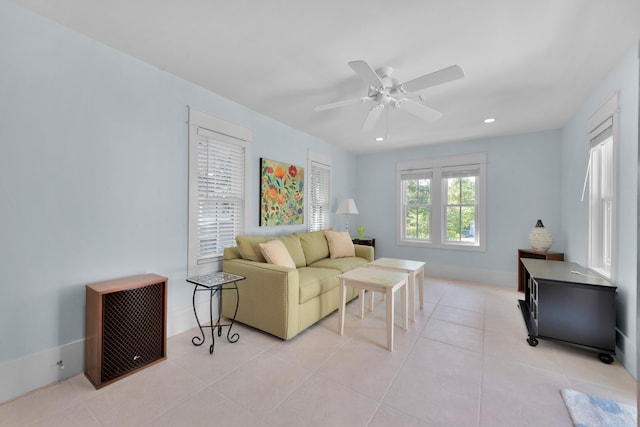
(385, 91)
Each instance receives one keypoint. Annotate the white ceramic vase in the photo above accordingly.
(539, 238)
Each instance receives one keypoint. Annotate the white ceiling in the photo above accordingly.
(528, 64)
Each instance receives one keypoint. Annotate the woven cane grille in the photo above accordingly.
(133, 329)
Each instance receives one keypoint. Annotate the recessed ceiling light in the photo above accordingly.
(489, 120)
(380, 139)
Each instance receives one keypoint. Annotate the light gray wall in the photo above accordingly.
(523, 174)
(93, 175)
(623, 79)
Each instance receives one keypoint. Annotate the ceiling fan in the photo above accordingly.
(386, 91)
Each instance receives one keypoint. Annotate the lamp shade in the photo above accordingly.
(347, 206)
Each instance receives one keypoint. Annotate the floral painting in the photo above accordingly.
(281, 193)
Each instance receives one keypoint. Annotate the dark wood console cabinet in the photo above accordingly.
(367, 241)
(126, 327)
(530, 253)
(568, 303)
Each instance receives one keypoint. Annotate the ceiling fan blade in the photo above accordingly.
(341, 103)
(421, 111)
(366, 73)
(445, 75)
(372, 117)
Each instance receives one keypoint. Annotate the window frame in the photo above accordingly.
(318, 161)
(602, 126)
(203, 125)
(438, 194)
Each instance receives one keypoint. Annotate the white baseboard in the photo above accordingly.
(20, 376)
(456, 272)
(37, 370)
(183, 320)
(626, 353)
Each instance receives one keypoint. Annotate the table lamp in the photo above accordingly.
(347, 207)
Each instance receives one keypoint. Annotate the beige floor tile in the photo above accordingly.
(226, 357)
(439, 384)
(365, 368)
(76, 416)
(207, 408)
(262, 383)
(514, 348)
(459, 316)
(312, 347)
(321, 402)
(464, 361)
(39, 404)
(144, 396)
(389, 417)
(455, 334)
(516, 394)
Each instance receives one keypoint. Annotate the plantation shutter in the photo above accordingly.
(319, 196)
(220, 194)
(217, 187)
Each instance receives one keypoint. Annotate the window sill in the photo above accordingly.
(448, 246)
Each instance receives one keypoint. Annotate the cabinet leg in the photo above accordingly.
(606, 358)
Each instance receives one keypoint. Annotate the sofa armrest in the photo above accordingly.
(269, 296)
(364, 251)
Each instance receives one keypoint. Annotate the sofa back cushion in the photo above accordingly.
(292, 243)
(314, 245)
(249, 247)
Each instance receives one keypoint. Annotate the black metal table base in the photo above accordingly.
(214, 289)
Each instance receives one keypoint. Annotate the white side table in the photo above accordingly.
(414, 269)
(373, 280)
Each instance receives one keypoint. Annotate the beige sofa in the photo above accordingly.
(285, 300)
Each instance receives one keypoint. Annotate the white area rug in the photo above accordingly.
(592, 411)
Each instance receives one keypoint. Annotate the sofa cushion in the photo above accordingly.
(249, 247)
(316, 281)
(292, 242)
(275, 252)
(314, 246)
(340, 244)
(342, 264)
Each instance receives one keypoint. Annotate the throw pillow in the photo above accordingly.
(276, 253)
(340, 244)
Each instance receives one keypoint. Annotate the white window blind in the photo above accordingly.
(319, 196)
(217, 188)
(220, 195)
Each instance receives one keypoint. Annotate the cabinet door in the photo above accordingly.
(578, 314)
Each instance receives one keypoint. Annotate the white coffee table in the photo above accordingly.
(414, 269)
(387, 282)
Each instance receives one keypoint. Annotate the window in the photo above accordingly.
(461, 209)
(217, 157)
(416, 188)
(319, 192)
(441, 202)
(601, 190)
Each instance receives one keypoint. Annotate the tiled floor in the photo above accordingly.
(464, 362)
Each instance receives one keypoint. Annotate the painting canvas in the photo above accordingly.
(281, 193)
